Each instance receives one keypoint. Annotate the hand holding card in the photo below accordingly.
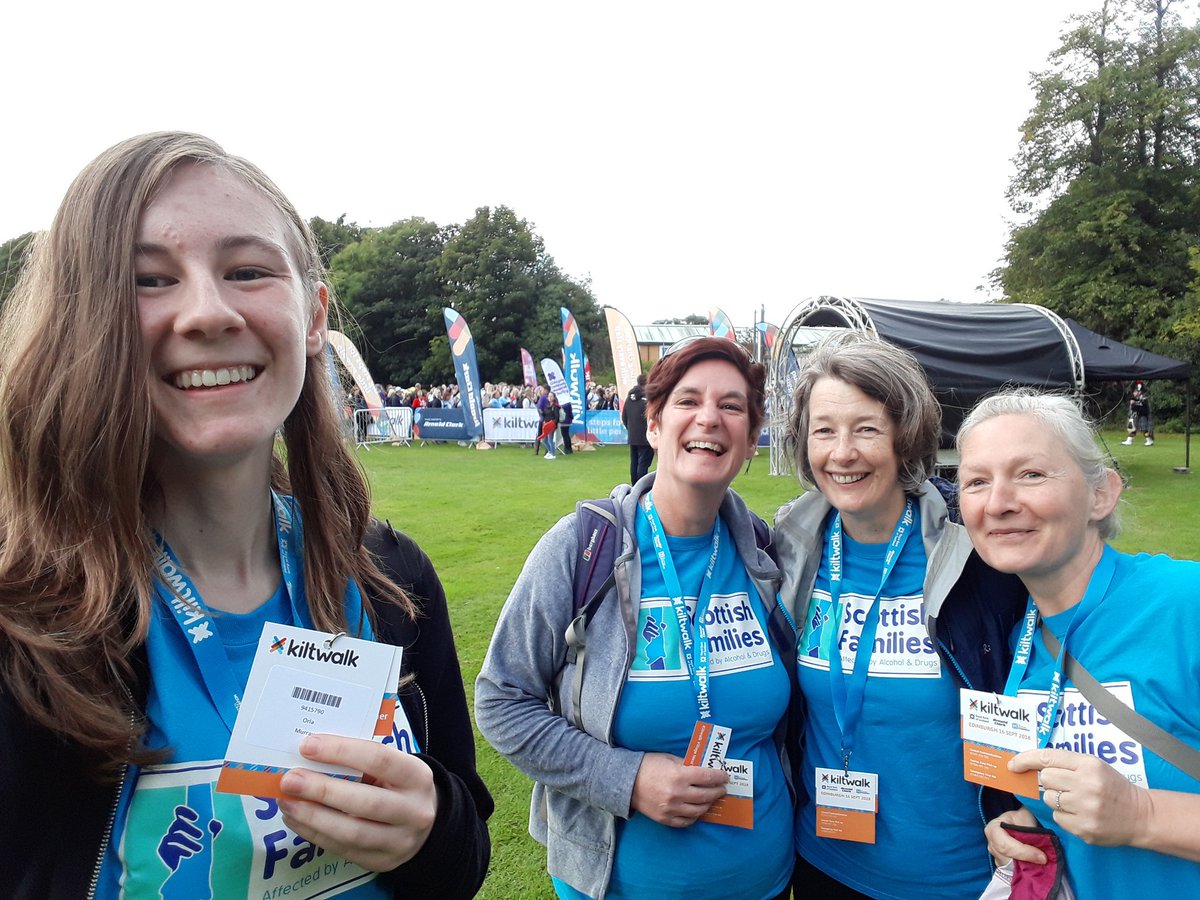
(379, 823)
(305, 682)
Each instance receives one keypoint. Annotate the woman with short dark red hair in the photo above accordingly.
(689, 633)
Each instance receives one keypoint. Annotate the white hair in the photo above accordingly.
(1063, 417)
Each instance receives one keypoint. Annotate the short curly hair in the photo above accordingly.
(886, 373)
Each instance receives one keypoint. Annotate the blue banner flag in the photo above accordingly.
(462, 353)
(573, 361)
(769, 335)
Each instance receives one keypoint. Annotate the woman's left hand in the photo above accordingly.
(1088, 797)
(380, 822)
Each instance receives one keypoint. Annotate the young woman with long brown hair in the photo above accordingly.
(171, 321)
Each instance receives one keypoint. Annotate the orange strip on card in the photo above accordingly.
(735, 811)
(989, 766)
(387, 712)
(254, 782)
(698, 744)
(846, 824)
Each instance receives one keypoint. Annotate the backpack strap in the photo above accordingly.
(762, 531)
(598, 532)
(597, 527)
(949, 491)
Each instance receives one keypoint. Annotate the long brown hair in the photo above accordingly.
(76, 426)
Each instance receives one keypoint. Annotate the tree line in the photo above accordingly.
(1105, 196)
(1105, 188)
(493, 269)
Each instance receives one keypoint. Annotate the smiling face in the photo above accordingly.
(227, 321)
(1029, 509)
(702, 434)
(853, 460)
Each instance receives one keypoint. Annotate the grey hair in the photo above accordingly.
(1063, 417)
(885, 373)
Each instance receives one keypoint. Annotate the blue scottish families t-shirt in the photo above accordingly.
(749, 692)
(929, 834)
(174, 836)
(1139, 643)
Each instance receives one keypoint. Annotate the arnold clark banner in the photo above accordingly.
(439, 424)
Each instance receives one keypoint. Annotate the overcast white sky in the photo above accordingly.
(680, 154)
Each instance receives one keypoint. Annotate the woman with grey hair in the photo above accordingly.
(1040, 503)
(883, 581)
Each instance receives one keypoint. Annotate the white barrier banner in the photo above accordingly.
(391, 423)
(511, 425)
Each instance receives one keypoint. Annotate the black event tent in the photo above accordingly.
(968, 350)
(1107, 360)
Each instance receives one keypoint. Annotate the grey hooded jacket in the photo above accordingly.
(523, 703)
(800, 537)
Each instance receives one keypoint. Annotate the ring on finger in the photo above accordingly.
(1058, 801)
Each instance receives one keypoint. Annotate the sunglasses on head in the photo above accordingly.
(691, 339)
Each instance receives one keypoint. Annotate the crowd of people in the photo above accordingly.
(735, 711)
(496, 396)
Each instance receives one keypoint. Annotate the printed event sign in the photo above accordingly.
(511, 425)
(995, 728)
(604, 425)
(439, 424)
(305, 682)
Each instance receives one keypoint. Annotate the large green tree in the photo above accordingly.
(490, 269)
(334, 237)
(389, 283)
(499, 276)
(1106, 179)
(493, 269)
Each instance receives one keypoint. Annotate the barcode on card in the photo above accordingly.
(308, 695)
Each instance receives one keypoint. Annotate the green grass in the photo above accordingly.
(479, 513)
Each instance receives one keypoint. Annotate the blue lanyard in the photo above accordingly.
(847, 693)
(1097, 590)
(178, 593)
(693, 636)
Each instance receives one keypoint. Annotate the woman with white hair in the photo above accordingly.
(1039, 502)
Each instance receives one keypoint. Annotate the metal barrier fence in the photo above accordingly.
(390, 425)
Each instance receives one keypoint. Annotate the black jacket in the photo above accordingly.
(633, 416)
(54, 815)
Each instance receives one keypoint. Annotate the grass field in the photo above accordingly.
(478, 513)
